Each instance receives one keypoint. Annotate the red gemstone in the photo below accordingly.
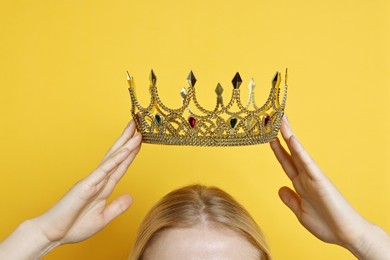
(138, 120)
(192, 121)
(266, 120)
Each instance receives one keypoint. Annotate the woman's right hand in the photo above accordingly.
(83, 210)
(320, 207)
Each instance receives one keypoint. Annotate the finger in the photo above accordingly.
(128, 132)
(115, 169)
(134, 142)
(284, 159)
(287, 133)
(291, 200)
(116, 207)
(123, 167)
(303, 158)
(106, 167)
(286, 129)
(116, 174)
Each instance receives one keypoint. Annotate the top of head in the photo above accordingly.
(228, 124)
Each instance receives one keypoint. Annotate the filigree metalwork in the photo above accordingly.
(227, 125)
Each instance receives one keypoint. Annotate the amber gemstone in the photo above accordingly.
(192, 121)
(233, 122)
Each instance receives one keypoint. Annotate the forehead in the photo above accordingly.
(201, 242)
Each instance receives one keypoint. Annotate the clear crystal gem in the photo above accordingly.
(249, 123)
(183, 93)
(251, 85)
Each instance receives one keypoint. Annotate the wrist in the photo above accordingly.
(372, 244)
(45, 245)
(26, 242)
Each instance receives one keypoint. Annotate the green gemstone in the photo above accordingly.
(233, 122)
(158, 119)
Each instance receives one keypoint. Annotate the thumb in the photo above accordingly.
(291, 200)
(117, 207)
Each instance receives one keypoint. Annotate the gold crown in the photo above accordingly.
(227, 125)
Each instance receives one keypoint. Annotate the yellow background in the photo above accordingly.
(64, 100)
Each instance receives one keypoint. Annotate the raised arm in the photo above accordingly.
(320, 207)
(82, 211)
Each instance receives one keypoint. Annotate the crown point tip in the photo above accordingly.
(276, 76)
(191, 79)
(237, 81)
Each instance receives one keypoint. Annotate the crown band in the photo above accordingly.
(227, 125)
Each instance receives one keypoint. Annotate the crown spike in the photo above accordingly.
(191, 79)
(152, 78)
(129, 78)
(219, 90)
(237, 81)
(183, 93)
(285, 78)
(251, 85)
(191, 124)
(275, 79)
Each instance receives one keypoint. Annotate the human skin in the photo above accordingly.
(205, 241)
(82, 211)
(320, 207)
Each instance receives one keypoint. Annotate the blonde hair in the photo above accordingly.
(195, 204)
